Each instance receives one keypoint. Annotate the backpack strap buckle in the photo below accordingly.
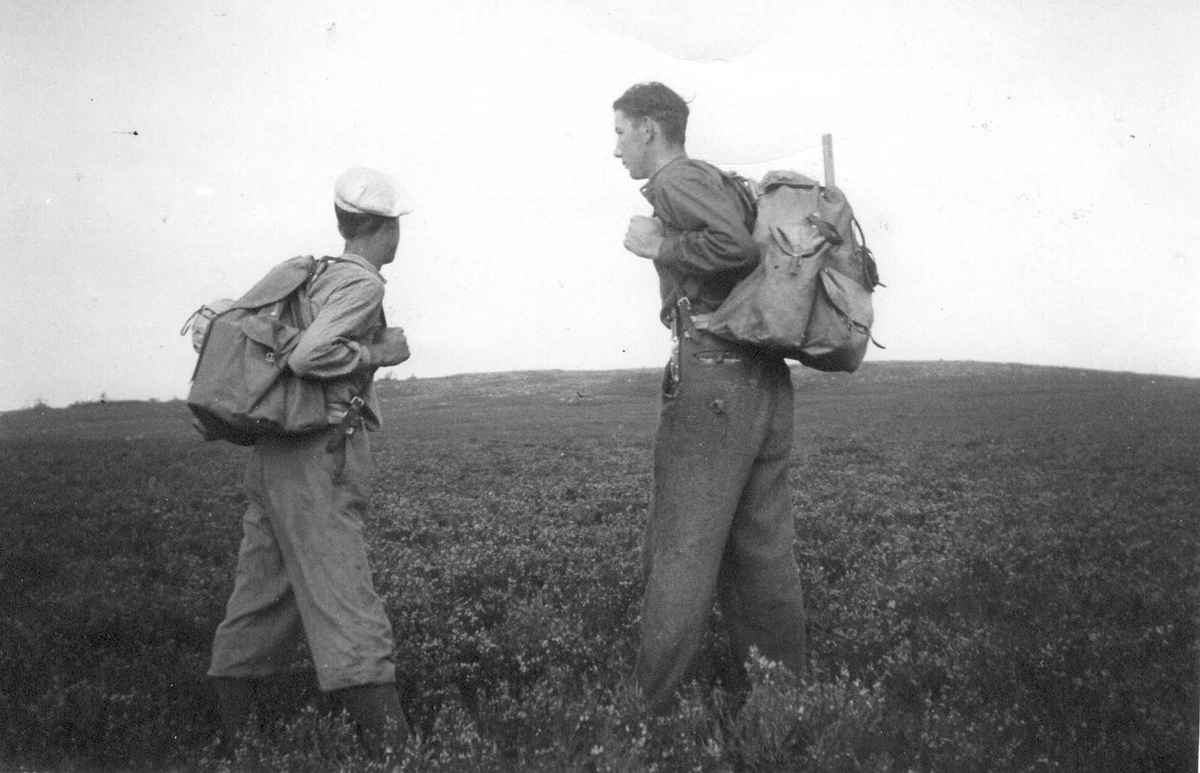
(685, 327)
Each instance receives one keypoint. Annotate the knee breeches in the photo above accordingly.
(303, 570)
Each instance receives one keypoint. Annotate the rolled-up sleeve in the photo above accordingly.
(331, 347)
(710, 233)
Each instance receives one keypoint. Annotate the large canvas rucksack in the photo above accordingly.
(809, 299)
(241, 387)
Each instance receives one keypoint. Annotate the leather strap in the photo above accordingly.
(349, 423)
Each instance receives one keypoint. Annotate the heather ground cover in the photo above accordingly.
(1000, 565)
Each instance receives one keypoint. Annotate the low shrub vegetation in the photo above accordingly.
(1000, 570)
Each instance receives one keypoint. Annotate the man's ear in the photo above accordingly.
(650, 127)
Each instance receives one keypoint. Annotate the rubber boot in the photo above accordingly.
(376, 713)
(235, 702)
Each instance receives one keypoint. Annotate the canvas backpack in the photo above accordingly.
(242, 388)
(809, 298)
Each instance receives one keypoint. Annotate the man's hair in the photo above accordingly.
(354, 224)
(658, 103)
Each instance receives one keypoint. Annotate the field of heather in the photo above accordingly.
(1000, 565)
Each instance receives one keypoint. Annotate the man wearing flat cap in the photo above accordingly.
(302, 565)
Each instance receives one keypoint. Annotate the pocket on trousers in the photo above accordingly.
(705, 399)
(717, 358)
(731, 369)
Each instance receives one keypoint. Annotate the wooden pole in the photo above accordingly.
(827, 150)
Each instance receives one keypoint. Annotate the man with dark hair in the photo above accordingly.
(302, 566)
(720, 523)
(656, 101)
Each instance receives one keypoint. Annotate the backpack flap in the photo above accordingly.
(279, 283)
(802, 237)
(276, 338)
(788, 178)
(275, 401)
(839, 327)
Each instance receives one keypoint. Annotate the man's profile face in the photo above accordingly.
(633, 140)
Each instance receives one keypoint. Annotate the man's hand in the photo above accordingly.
(389, 348)
(645, 236)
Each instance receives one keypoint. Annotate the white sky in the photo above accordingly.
(1025, 171)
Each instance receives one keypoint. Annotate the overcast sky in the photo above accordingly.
(1026, 172)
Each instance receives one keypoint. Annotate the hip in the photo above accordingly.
(701, 358)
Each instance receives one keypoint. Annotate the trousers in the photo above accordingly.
(302, 568)
(720, 526)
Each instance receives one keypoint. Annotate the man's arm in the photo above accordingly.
(335, 344)
(706, 229)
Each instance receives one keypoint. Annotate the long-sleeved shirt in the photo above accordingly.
(347, 312)
(708, 247)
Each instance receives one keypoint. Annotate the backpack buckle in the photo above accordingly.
(826, 229)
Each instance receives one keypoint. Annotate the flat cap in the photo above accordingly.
(370, 192)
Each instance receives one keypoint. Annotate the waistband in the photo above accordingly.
(694, 329)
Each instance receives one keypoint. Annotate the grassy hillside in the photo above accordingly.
(1000, 566)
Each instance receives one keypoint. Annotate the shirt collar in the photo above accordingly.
(648, 188)
(361, 261)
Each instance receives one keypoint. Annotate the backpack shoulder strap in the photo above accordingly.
(746, 189)
(324, 262)
(319, 267)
